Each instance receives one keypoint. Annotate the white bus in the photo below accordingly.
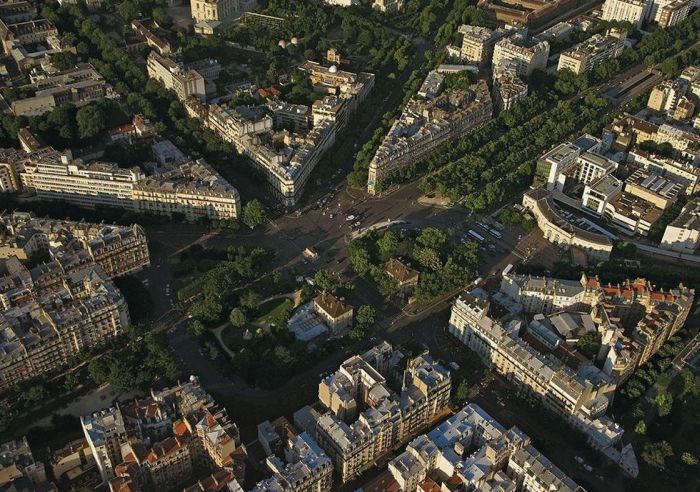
(476, 235)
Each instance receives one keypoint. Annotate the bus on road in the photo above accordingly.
(476, 235)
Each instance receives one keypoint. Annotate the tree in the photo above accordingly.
(462, 390)
(691, 383)
(589, 344)
(388, 245)
(641, 428)
(128, 10)
(664, 404)
(428, 258)
(433, 238)
(254, 214)
(326, 280)
(72, 381)
(655, 454)
(34, 394)
(64, 60)
(162, 18)
(195, 328)
(250, 300)
(237, 318)
(365, 316)
(689, 459)
(90, 120)
(212, 350)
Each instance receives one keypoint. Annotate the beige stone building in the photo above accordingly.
(67, 304)
(157, 443)
(404, 275)
(184, 82)
(224, 11)
(78, 86)
(528, 55)
(193, 189)
(591, 53)
(335, 313)
(426, 124)
(557, 229)
(388, 419)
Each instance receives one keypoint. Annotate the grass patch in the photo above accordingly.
(271, 310)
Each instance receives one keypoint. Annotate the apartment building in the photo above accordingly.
(342, 3)
(220, 481)
(156, 443)
(55, 310)
(478, 42)
(223, 11)
(580, 160)
(17, 462)
(677, 169)
(78, 86)
(174, 76)
(90, 4)
(661, 191)
(388, 419)
(665, 96)
(508, 90)
(27, 31)
(473, 451)
(293, 117)
(592, 52)
(13, 12)
(105, 432)
(544, 295)
(286, 158)
(12, 161)
(119, 250)
(671, 13)
(581, 397)
(636, 209)
(683, 233)
(193, 189)
(528, 55)
(152, 40)
(389, 6)
(424, 125)
(335, 313)
(305, 468)
(644, 317)
(74, 465)
(332, 109)
(632, 11)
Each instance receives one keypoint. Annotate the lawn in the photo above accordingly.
(270, 310)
